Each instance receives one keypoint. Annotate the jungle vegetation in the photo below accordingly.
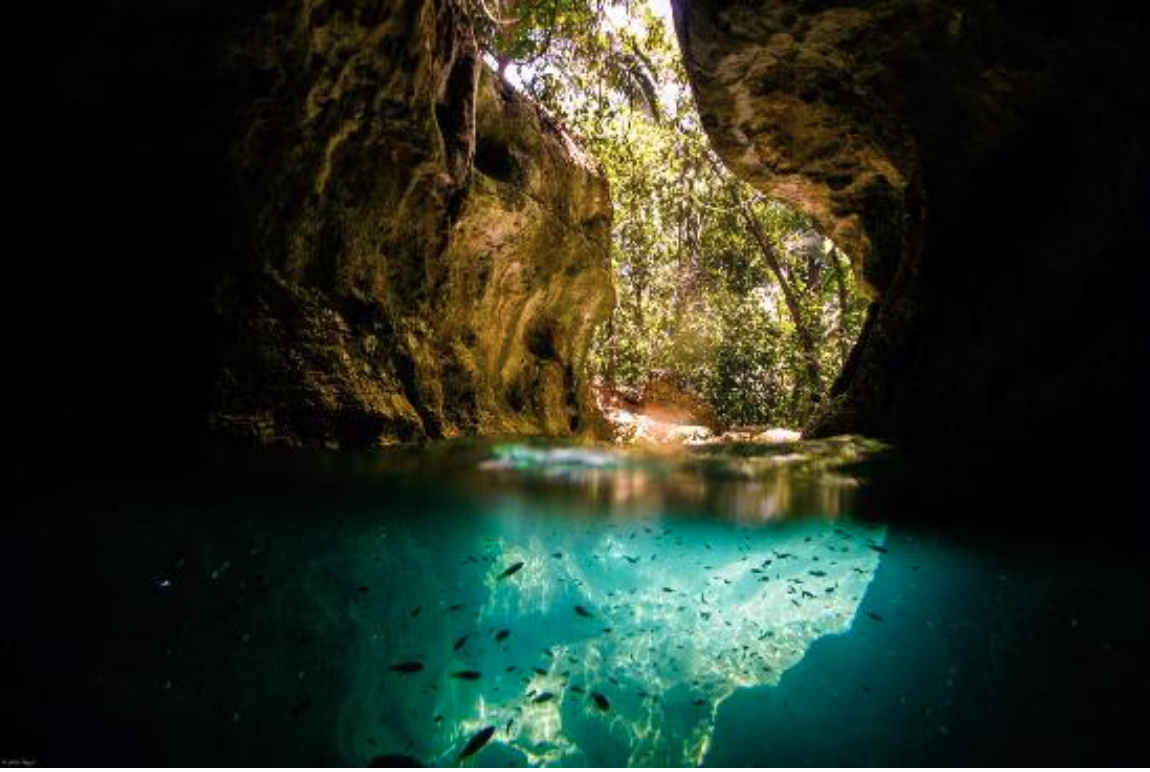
(738, 296)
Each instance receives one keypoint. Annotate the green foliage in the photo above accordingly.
(737, 294)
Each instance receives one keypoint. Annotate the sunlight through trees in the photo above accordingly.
(736, 295)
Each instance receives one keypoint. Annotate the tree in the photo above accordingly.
(710, 284)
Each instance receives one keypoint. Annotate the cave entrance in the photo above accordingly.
(733, 312)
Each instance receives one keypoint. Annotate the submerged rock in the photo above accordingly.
(424, 253)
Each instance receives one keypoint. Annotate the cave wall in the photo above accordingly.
(310, 222)
(427, 251)
(984, 165)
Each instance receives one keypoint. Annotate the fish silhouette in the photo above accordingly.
(476, 743)
(511, 570)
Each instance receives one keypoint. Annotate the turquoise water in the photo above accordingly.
(526, 604)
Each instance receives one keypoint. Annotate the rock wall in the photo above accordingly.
(428, 252)
(985, 166)
(309, 222)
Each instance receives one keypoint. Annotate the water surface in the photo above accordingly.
(576, 606)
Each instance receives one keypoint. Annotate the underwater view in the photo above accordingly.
(477, 603)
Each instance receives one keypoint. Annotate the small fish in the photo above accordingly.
(502, 635)
(878, 548)
(817, 573)
(630, 559)
(556, 555)
(583, 612)
(476, 743)
(602, 702)
(407, 667)
(543, 697)
(467, 675)
(874, 616)
(698, 703)
(459, 642)
(511, 571)
(300, 708)
(539, 671)
(668, 589)
(456, 607)
(548, 653)
(415, 612)
(510, 669)
(578, 689)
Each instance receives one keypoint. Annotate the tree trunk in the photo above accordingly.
(844, 304)
(790, 297)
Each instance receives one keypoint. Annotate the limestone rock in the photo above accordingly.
(985, 167)
(426, 253)
(778, 436)
(666, 397)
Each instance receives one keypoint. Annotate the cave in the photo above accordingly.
(311, 466)
(984, 170)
